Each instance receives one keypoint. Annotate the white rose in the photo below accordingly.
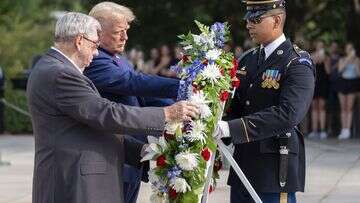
(187, 161)
(181, 185)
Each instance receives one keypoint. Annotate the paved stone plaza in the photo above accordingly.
(333, 172)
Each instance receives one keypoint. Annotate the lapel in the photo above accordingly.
(274, 58)
(67, 63)
(60, 57)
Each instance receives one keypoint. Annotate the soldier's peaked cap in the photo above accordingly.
(256, 8)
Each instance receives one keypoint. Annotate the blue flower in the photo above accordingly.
(185, 85)
(218, 28)
(176, 68)
(173, 173)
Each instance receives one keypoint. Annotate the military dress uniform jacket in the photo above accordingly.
(272, 99)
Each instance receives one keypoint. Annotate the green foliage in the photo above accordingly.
(26, 30)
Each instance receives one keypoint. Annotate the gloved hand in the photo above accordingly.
(222, 130)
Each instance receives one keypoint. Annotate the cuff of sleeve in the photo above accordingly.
(239, 131)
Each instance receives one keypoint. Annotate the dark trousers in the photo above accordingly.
(131, 191)
(237, 196)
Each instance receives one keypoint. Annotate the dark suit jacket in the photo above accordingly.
(117, 81)
(261, 113)
(77, 156)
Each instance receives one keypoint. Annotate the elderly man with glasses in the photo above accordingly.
(78, 156)
(277, 85)
(117, 80)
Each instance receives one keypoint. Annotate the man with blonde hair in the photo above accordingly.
(117, 81)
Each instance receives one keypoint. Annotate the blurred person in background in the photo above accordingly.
(331, 63)
(136, 58)
(150, 64)
(348, 74)
(227, 48)
(163, 62)
(318, 112)
(178, 55)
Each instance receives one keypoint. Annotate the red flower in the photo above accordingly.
(196, 88)
(222, 71)
(211, 189)
(232, 72)
(224, 95)
(161, 161)
(205, 153)
(168, 136)
(205, 62)
(234, 68)
(235, 82)
(186, 58)
(235, 64)
(172, 193)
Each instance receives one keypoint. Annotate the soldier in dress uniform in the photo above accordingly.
(277, 86)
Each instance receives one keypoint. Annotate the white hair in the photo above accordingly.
(102, 11)
(73, 24)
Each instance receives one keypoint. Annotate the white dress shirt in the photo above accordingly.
(270, 48)
(77, 67)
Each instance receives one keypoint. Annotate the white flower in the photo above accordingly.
(208, 40)
(171, 128)
(181, 185)
(163, 143)
(199, 99)
(155, 147)
(188, 47)
(205, 111)
(213, 54)
(187, 161)
(211, 72)
(197, 39)
(197, 133)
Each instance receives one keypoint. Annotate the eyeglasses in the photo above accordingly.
(259, 19)
(96, 43)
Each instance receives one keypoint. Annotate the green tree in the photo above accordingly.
(26, 30)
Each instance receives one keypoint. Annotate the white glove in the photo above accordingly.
(222, 130)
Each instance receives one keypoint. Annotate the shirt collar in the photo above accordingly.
(270, 48)
(72, 62)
